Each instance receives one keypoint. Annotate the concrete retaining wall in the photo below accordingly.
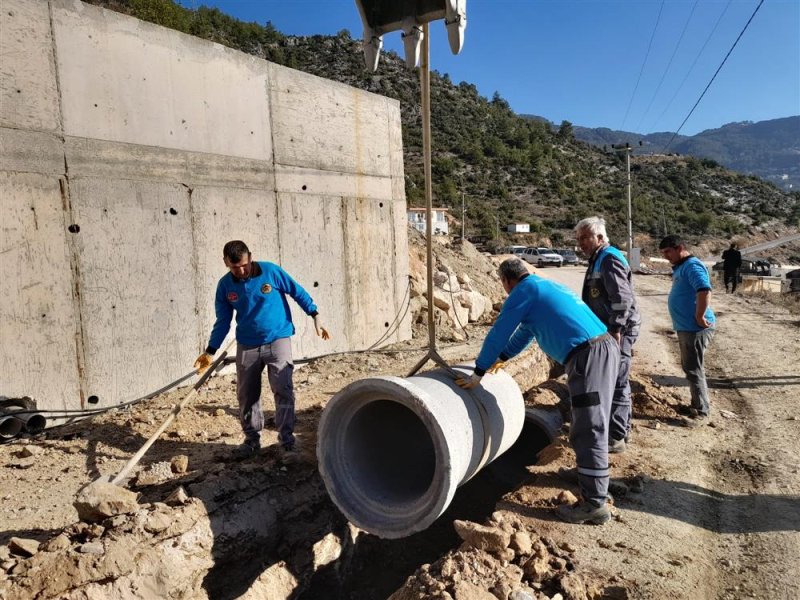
(130, 153)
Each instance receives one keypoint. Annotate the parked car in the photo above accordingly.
(511, 250)
(541, 257)
(569, 256)
(754, 266)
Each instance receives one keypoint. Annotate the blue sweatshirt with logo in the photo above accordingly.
(262, 311)
(542, 310)
(688, 277)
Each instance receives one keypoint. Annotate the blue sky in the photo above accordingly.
(580, 60)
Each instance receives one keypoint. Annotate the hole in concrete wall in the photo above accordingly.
(386, 324)
(44, 315)
(172, 211)
(316, 284)
(304, 187)
(19, 91)
(74, 228)
(95, 105)
(391, 452)
(93, 399)
(380, 204)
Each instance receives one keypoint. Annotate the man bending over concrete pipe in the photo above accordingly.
(569, 332)
(257, 292)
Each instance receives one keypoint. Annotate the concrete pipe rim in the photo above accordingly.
(386, 517)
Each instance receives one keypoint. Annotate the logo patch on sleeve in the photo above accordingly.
(233, 296)
(266, 288)
(594, 292)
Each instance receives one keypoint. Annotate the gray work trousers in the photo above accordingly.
(693, 345)
(250, 363)
(591, 376)
(621, 407)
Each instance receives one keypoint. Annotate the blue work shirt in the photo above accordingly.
(262, 311)
(688, 277)
(542, 310)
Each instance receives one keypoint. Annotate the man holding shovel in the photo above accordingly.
(257, 292)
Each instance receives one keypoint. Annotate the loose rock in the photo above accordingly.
(491, 539)
(179, 463)
(100, 500)
(23, 546)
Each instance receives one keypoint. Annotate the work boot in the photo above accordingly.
(249, 448)
(695, 419)
(616, 446)
(584, 512)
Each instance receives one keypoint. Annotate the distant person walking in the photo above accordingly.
(257, 292)
(608, 291)
(731, 263)
(570, 333)
(692, 319)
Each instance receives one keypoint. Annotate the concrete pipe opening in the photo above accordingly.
(9, 427)
(393, 451)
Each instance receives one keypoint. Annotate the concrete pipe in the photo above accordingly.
(393, 451)
(10, 427)
(544, 421)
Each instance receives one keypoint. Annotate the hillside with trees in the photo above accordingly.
(769, 149)
(509, 167)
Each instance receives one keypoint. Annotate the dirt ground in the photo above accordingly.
(699, 513)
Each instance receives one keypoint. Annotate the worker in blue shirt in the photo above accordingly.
(570, 333)
(608, 291)
(692, 319)
(256, 292)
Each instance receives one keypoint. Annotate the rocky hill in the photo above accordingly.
(508, 167)
(769, 149)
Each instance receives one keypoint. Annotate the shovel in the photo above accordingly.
(168, 421)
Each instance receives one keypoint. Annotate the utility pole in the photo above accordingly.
(627, 149)
(497, 227)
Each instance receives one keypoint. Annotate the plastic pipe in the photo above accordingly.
(393, 451)
(10, 427)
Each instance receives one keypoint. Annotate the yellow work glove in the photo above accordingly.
(321, 331)
(203, 362)
(468, 383)
(498, 364)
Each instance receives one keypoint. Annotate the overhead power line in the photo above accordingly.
(644, 62)
(714, 76)
(696, 58)
(669, 64)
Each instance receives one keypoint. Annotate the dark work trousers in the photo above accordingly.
(591, 375)
(731, 277)
(250, 363)
(693, 346)
(621, 408)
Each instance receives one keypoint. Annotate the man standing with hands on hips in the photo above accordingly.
(692, 319)
(608, 291)
(257, 292)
